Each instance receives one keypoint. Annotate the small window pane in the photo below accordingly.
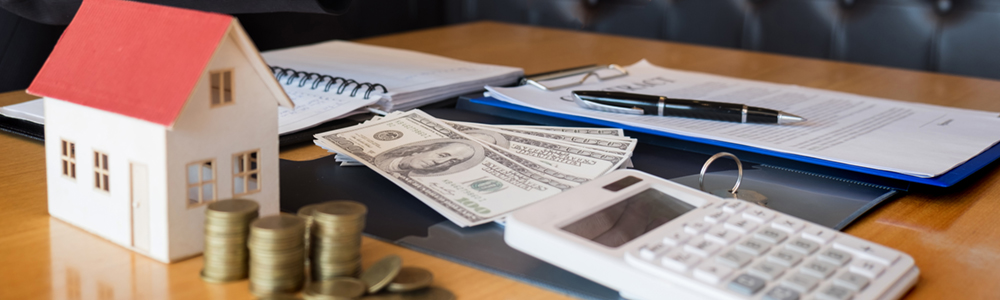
(97, 180)
(107, 186)
(238, 164)
(238, 185)
(206, 171)
(193, 195)
(227, 87)
(65, 168)
(208, 192)
(72, 150)
(192, 174)
(72, 170)
(104, 159)
(253, 183)
(97, 160)
(65, 150)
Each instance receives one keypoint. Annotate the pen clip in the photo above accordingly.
(607, 108)
(585, 71)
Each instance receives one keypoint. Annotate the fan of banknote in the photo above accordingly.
(476, 173)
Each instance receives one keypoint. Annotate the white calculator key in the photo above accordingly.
(817, 268)
(758, 214)
(833, 292)
(696, 228)
(867, 268)
(722, 235)
(679, 261)
(716, 216)
(800, 282)
(702, 247)
(834, 256)
(867, 250)
(803, 245)
(785, 257)
(771, 235)
(754, 246)
(781, 293)
(733, 258)
(734, 206)
(819, 234)
(712, 272)
(747, 284)
(741, 225)
(767, 270)
(650, 252)
(788, 224)
(676, 238)
(851, 281)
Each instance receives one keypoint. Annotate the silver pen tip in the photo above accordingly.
(785, 118)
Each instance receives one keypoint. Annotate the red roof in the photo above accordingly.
(135, 59)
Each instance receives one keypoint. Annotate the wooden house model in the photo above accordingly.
(151, 113)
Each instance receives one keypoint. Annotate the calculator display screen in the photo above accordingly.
(632, 217)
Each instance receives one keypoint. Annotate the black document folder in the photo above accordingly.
(396, 216)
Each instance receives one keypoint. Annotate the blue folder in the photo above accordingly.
(948, 179)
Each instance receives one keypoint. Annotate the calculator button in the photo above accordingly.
(734, 258)
(676, 238)
(754, 246)
(867, 250)
(741, 225)
(788, 224)
(722, 235)
(696, 228)
(712, 272)
(834, 256)
(781, 293)
(818, 269)
(803, 245)
(702, 247)
(679, 261)
(851, 281)
(758, 214)
(801, 283)
(650, 252)
(771, 235)
(785, 257)
(867, 268)
(734, 206)
(716, 216)
(746, 284)
(822, 235)
(833, 292)
(767, 270)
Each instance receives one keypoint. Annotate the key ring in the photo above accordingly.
(739, 171)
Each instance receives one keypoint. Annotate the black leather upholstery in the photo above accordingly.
(952, 36)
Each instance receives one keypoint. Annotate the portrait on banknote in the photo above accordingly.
(431, 157)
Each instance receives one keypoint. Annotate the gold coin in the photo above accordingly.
(344, 287)
(381, 273)
(220, 279)
(410, 279)
(282, 225)
(431, 293)
(306, 212)
(340, 210)
(231, 207)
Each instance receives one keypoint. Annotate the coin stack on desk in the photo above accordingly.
(226, 227)
(277, 255)
(336, 239)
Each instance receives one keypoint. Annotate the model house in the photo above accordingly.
(151, 113)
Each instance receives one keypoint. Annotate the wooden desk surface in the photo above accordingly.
(953, 235)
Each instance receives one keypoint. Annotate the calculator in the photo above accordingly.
(650, 238)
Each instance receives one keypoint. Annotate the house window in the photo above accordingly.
(222, 87)
(101, 171)
(201, 182)
(246, 173)
(68, 156)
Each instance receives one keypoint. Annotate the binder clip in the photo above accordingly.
(735, 193)
(587, 72)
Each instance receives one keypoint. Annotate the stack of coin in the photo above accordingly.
(226, 228)
(277, 255)
(336, 239)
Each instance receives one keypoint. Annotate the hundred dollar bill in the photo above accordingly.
(465, 181)
(612, 132)
(550, 154)
(595, 141)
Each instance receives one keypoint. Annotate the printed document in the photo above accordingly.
(910, 138)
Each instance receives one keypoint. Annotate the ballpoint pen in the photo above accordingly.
(639, 104)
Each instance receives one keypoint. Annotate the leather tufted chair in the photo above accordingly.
(951, 36)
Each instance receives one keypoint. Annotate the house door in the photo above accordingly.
(140, 207)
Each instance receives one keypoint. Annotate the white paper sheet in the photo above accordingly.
(910, 138)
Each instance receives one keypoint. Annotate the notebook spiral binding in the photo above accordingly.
(319, 79)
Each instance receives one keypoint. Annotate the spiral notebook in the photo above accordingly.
(336, 79)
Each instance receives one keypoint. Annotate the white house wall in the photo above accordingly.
(202, 133)
(124, 140)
